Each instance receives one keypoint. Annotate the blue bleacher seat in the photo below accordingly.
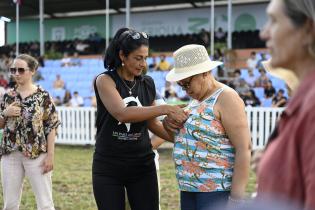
(259, 92)
(266, 102)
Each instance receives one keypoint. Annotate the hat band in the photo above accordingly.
(205, 64)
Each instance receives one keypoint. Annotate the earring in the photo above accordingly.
(122, 64)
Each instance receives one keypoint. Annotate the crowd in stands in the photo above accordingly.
(253, 84)
(95, 44)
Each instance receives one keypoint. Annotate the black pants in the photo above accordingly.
(109, 191)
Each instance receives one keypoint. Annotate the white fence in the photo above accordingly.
(78, 125)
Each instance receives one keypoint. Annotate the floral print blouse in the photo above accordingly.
(203, 154)
(28, 132)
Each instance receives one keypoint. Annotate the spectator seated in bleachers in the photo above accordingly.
(58, 83)
(4, 63)
(279, 100)
(262, 58)
(269, 90)
(252, 61)
(163, 64)
(242, 89)
(66, 98)
(235, 82)
(152, 63)
(75, 60)
(250, 78)
(66, 60)
(3, 82)
(262, 79)
(251, 99)
(76, 100)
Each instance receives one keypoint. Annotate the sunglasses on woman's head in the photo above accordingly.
(20, 70)
(136, 35)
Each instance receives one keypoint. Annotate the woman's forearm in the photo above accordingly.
(2, 123)
(240, 173)
(51, 143)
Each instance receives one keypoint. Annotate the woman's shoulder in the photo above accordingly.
(229, 96)
(42, 90)
(147, 79)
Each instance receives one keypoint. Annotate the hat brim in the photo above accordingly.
(176, 75)
(285, 74)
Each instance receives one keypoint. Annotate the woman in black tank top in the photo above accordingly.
(123, 157)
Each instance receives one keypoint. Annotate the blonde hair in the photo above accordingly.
(32, 63)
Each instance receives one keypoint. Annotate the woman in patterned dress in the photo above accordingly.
(212, 150)
(29, 119)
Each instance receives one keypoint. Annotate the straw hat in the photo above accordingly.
(190, 60)
(287, 75)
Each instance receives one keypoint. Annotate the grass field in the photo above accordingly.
(72, 184)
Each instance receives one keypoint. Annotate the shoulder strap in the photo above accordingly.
(213, 99)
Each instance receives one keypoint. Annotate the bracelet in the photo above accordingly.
(237, 201)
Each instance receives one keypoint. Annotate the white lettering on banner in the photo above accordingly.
(84, 31)
(159, 30)
(58, 33)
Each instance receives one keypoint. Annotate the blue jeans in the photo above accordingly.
(203, 200)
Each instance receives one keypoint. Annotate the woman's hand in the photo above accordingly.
(177, 114)
(13, 110)
(171, 125)
(48, 163)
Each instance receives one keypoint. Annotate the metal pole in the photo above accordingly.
(127, 13)
(17, 28)
(107, 24)
(229, 32)
(41, 27)
(212, 29)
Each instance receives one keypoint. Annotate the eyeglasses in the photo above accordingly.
(20, 70)
(185, 85)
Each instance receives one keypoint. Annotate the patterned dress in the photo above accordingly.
(28, 132)
(203, 154)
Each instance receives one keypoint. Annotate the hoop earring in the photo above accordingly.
(311, 50)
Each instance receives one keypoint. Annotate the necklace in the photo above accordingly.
(130, 89)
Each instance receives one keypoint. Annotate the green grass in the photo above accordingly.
(72, 184)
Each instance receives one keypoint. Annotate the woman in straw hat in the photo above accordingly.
(212, 150)
(287, 168)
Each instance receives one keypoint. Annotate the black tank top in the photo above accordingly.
(119, 142)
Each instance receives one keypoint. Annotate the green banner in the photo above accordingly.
(58, 29)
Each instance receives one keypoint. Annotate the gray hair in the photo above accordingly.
(299, 11)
